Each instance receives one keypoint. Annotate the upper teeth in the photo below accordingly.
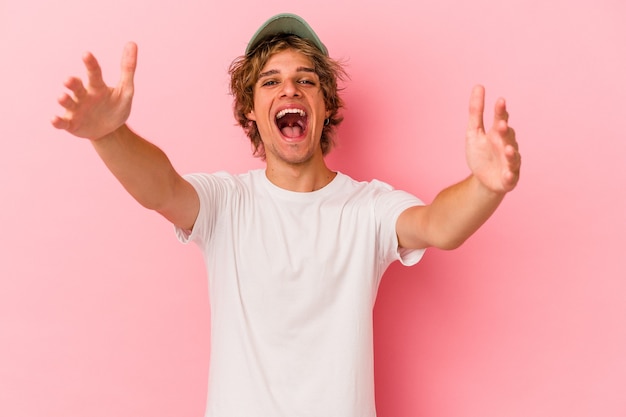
(286, 111)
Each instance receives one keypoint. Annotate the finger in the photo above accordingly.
(94, 72)
(76, 86)
(511, 137)
(501, 127)
(59, 122)
(500, 112)
(128, 66)
(513, 157)
(510, 180)
(510, 152)
(505, 134)
(67, 102)
(477, 108)
(517, 164)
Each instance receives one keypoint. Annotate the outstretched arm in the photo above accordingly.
(458, 211)
(98, 112)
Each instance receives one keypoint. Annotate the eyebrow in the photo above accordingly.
(275, 71)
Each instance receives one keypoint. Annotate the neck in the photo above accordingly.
(300, 178)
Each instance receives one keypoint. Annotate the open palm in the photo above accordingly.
(95, 110)
(493, 155)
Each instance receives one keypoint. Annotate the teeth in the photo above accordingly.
(288, 111)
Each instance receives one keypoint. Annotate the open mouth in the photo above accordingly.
(291, 122)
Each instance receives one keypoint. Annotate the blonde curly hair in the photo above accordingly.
(244, 73)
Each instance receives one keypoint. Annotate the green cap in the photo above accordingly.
(285, 23)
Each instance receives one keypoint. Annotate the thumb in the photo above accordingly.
(476, 109)
(129, 64)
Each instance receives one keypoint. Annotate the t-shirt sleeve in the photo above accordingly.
(389, 206)
(211, 189)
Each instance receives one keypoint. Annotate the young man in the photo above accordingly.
(294, 252)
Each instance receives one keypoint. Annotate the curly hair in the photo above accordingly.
(244, 73)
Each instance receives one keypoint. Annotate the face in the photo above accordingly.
(289, 109)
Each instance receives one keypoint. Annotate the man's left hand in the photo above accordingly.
(492, 156)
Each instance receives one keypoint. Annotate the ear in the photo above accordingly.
(251, 115)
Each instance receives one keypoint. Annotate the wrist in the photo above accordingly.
(117, 133)
(484, 190)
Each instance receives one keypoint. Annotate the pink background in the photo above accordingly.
(103, 313)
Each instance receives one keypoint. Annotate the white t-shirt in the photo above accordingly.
(292, 280)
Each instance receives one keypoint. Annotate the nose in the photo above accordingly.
(290, 88)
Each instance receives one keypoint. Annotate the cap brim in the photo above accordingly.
(285, 23)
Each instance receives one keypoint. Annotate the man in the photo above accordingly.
(294, 252)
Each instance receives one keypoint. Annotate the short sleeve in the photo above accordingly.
(389, 206)
(211, 189)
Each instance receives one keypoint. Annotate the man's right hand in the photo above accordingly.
(96, 110)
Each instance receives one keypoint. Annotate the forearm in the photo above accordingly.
(458, 211)
(141, 167)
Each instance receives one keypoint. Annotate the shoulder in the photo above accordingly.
(387, 200)
(371, 189)
(222, 180)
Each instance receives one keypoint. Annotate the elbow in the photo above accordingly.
(151, 203)
(449, 244)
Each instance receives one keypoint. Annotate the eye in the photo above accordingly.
(268, 83)
(307, 82)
